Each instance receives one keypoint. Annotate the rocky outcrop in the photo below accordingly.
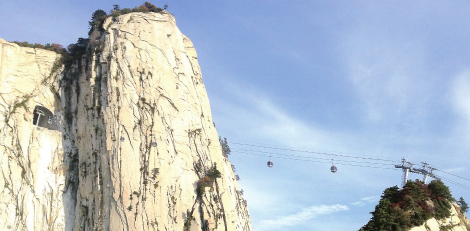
(131, 144)
(456, 222)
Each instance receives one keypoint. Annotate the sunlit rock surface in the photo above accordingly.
(130, 137)
(456, 222)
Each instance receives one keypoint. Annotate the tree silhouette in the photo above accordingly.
(463, 205)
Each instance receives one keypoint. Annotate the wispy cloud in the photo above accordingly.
(460, 103)
(262, 119)
(388, 73)
(461, 99)
(365, 200)
(302, 216)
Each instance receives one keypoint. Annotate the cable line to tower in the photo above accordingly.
(347, 163)
(456, 183)
(453, 175)
(328, 153)
(314, 152)
(305, 157)
(307, 160)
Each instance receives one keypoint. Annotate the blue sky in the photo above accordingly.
(373, 79)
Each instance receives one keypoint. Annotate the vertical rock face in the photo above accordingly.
(32, 174)
(131, 145)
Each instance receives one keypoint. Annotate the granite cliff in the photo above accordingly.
(122, 138)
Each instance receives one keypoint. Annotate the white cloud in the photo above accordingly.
(365, 200)
(302, 216)
(253, 193)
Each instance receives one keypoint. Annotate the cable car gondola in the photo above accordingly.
(333, 167)
(270, 163)
(153, 143)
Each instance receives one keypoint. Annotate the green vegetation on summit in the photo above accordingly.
(400, 210)
(76, 50)
(99, 16)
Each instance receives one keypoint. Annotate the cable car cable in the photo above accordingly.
(289, 149)
(307, 157)
(313, 152)
(455, 183)
(453, 174)
(287, 158)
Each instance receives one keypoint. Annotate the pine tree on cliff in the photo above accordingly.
(97, 19)
(463, 205)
